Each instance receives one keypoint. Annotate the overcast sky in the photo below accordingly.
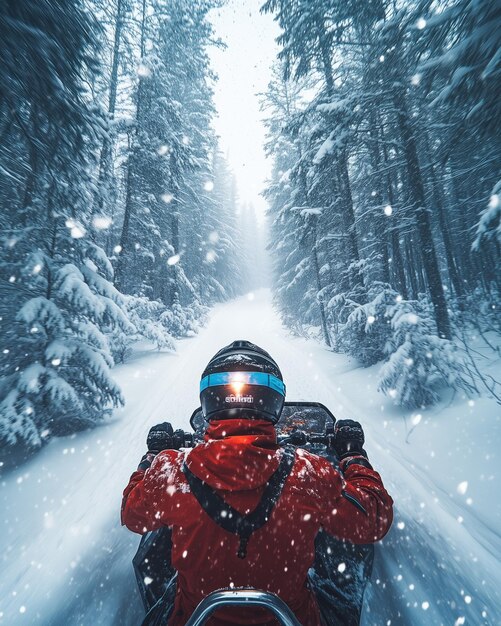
(244, 70)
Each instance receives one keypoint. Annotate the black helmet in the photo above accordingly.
(242, 380)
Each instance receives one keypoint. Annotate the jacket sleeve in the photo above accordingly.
(150, 500)
(363, 512)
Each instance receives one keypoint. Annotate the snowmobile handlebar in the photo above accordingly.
(295, 438)
(300, 438)
(242, 598)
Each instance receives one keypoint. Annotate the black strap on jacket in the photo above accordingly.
(229, 518)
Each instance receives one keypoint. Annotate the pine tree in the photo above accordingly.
(55, 366)
(387, 171)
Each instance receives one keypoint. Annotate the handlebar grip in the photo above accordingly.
(324, 439)
(298, 438)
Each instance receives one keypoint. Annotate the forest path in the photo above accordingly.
(67, 561)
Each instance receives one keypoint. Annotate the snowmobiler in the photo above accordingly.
(246, 512)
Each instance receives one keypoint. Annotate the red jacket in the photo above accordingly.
(237, 459)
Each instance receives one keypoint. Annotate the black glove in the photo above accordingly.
(160, 437)
(349, 439)
(164, 437)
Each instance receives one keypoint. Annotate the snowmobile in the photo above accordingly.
(339, 574)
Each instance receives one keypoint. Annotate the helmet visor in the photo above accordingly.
(238, 380)
(242, 394)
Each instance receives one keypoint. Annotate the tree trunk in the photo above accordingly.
(320, 299)
(416, 188)
(342, 164)
(174, 188)
(349, 220)
(398, 261)
(131, 170)
(380, 231)
(106, 149)
(411, 268)
(124, 236)
(437, 201)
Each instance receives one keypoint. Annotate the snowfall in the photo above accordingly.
(67, 561)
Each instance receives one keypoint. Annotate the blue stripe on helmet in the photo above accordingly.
(247, 378)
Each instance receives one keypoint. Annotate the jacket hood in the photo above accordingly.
(237, 454)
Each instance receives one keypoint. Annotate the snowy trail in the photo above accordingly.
(66, 560)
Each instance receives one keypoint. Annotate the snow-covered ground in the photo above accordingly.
(67, 561)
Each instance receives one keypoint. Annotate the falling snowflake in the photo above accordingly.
(209, 185)
(101, 222)
(172, 260)
(77, 231)
(143, 71)
(462, 487)
(388, 210)
(421, 23)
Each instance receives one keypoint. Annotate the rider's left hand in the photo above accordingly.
(160, 437)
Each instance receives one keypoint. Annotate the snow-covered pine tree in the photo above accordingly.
(217, 269)
(307, 42)
(177, 234)
(292, 221)
(391, 161)
(419, 363)
(55, 363)
(140, 240)
(489, 224)
(459, 55)
(366, 331)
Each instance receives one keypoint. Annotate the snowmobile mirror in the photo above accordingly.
(307, 416)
